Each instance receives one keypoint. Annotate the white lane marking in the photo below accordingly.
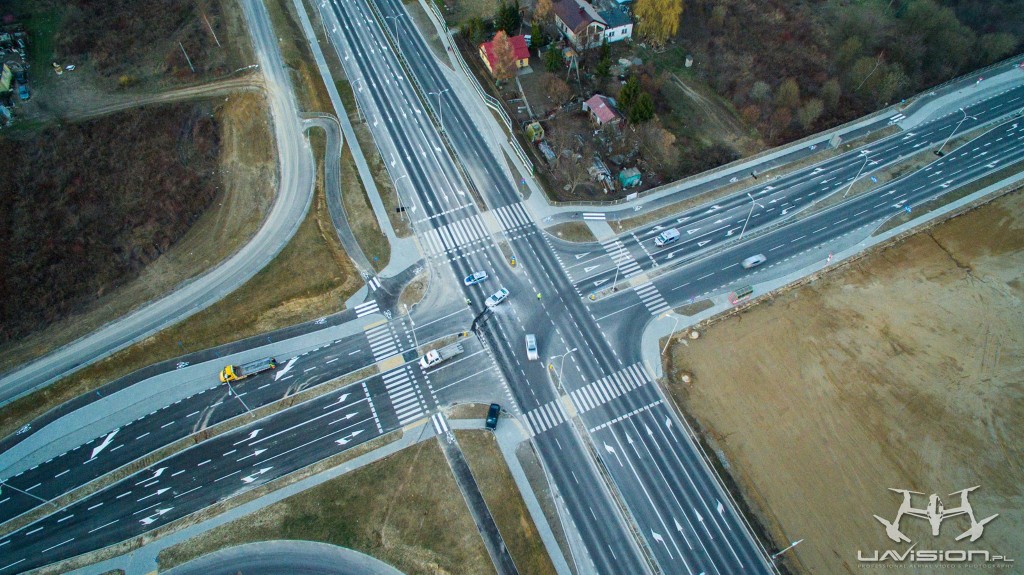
(102, 526)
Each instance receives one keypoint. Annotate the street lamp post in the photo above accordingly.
(861, 170)
(753, 203)
(791, 545)
(398, 37)
(561, 365)
(671, 334)
(232, 391)
(440, 110)
(957, 127)
(399, 179)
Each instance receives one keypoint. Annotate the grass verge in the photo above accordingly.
(286, 292)
(309, 86)
(505, 502)
(572, 232)
(360, 214)
(388, 509)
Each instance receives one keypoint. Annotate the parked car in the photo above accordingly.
(754, 261)
(497, 297)
(492, 416)
(23, 92)
(475, 278)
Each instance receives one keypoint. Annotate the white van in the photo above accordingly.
(666, 237)
(531, 347)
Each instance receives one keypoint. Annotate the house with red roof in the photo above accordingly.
(602, 110)
(519, 49)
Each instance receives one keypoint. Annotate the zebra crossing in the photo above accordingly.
(622, 258)
(608, 388)
(896, 119)
(545, 417)
(652, 298)
(366, 308)
(512, 216)
(382, 342)
(440, 424)
(405, 395)
(459, 233)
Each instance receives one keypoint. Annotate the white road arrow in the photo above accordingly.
(156, 474)
(154, 517)
(158, 492)
(785, 211)
(657, 228)
(106, 441)
(701, 519)
(348, 438)
(679, 528)
(701, 244)
(341, 399)
(682, 219)
(657, 537)
(578, 256)
(253, 454)
(252, 435)
(254, 476)
(713, 208)
(730, 232)
(668, 423)
(693, 231)
(611, 450)
(285, 369)
(587, 269)
(599, 282)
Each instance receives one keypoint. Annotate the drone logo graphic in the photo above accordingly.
(935, 513)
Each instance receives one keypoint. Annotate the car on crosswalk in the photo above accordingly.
(475, 278)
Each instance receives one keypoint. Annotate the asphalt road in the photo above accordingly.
(293, 199)
(595, 267)
(242, 459)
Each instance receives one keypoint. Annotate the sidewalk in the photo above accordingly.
(924, 107)
(404, 251)
(117, 409)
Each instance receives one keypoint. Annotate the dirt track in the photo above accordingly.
(903, 370)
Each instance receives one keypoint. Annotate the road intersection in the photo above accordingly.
(638, 489)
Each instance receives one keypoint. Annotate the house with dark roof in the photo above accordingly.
(602, 110)
(519, 49)
(580, 23)
(618, 25)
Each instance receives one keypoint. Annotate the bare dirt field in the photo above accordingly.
(903, 370)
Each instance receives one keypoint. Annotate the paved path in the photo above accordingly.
(404, 252)
(292, 557)
(477, 507)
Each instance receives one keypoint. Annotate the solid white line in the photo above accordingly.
(102, 526)
(57, 545)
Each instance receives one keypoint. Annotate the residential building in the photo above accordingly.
(580, 23)
(602, 110)
(619, 26)
(519, 49)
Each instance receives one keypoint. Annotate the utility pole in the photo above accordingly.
(670, 335)
(440, 110)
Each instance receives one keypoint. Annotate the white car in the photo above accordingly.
(753, 261)
(531, 347)
(475, 278)
(497, 297)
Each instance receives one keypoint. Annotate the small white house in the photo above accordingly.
(618, 25)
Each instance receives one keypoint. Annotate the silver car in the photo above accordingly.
(754, 261)
(497, 297)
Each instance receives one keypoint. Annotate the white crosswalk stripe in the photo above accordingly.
(366, 308)
(382, 342)
(545, 417)
(512, 216)
(454, 235)
(608, 388)
(593, 216)
(404, 394)
(440, 425)
(622, 258)
(652, 298)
